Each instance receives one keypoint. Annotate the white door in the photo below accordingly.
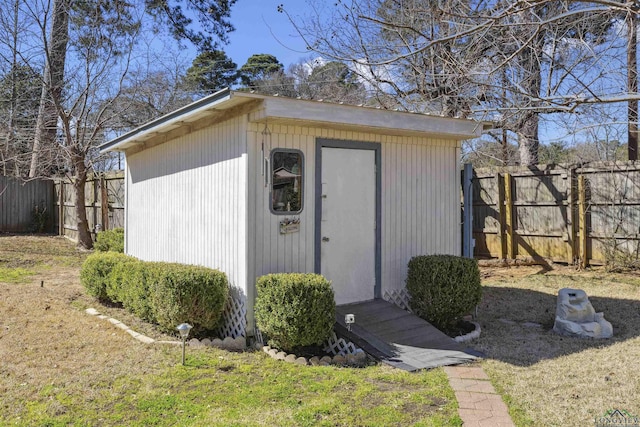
(347, 229)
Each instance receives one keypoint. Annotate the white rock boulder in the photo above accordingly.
(575, 316)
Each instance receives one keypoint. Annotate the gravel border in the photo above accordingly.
(359, 358)
(229, 343)
(471, 335)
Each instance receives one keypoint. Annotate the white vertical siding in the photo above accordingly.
(202, 199)
(420, 201)
(187, 201)
(275, 252)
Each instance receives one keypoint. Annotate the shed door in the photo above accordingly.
(348, 199)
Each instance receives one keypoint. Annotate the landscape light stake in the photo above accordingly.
(184, 329)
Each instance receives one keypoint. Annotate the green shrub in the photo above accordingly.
(185, 293)
(295, 309)
(96, 270)
(110, 240)
(443, 288)
(129, 285)
(163, 293)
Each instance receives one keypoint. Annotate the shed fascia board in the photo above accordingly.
(369, 118)
(169, 121)
(289, 110)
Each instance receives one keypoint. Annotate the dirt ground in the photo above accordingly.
(47, 342)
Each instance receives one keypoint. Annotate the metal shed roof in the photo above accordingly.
(290, 111)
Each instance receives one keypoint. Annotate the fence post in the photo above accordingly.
(61, 207)
(104, 202)
(508, 205)
(467, 222)
(501, 215)
(572, 221)
(582, 220)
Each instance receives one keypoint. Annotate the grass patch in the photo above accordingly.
(68, 368)
(547, 379)
(218, 388)
(15, 275)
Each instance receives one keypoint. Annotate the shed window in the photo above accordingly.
(286, 181)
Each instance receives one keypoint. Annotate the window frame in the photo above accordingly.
(275, 151)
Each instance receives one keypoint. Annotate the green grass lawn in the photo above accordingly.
(218, 388)
(15, 275)
(60, 367)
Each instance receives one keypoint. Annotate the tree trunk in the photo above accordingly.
(52, 84)
(531, 82)
(84, 236)
(528, 139)
(632, 86)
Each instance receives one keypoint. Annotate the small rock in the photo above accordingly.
(195, 342)
(351, 359)
(315, 361)
(206, 342)
(507, 321)
(92, 311)
(339, 359)
(238, 344)
(227, 343)
(266, 348)
(326, 359)
(290, 358)
(281, 355)
(361, 356)
(257, 345)
(121, 326)
(145, 339)
(323, 363)
(102, 316)
(272, 352)
(301, 361)
(217, 342)
(132, 333)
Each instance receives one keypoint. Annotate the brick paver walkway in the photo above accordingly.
(479, 404)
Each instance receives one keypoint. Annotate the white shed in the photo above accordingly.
(252, 184)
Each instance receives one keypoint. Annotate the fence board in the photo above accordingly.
(104, 204)
(18, 199)
(564, 213)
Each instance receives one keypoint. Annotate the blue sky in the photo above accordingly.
(261, 29)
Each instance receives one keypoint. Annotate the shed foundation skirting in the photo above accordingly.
(399, 297)
(234, 316)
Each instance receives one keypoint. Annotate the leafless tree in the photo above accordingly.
(507, 61)
(90, 61)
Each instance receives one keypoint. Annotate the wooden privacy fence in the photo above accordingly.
(104, 203)
(19, 201)
(563, 213)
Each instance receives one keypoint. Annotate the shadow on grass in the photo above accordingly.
(517, 325)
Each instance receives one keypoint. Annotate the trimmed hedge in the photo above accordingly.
(129, 285)
(295, 309)
(187, 293)
(96, 271)
(443, 288)
(163, 293)
(110, 241)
